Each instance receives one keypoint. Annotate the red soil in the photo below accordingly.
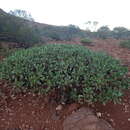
(28, 111)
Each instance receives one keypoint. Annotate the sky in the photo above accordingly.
(64, 12)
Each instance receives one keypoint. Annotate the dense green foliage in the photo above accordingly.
(73, 71)
(86, 41)
(125, 44)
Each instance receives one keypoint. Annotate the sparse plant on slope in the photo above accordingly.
(125, 44)
(73, 71)
(86, 41)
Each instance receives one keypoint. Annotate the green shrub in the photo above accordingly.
(73, 71)
(125, 44)
(86, 41)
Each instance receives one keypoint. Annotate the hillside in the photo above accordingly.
(15, 29)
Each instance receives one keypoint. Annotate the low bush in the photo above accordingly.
(86, 41)
(125, 44)
(73, 71)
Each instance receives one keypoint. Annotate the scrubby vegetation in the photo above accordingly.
(125, 44)
(15, 29)
(56, 33)
(105, 32)
(27, 33)
(75, 72)
(86, 41)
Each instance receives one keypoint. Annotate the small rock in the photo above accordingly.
(108, 114)
(63, 103)
(85, 119)
(99, 114)
(59, 107)
(128, 119)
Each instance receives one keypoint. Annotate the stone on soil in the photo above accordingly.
(84, 119)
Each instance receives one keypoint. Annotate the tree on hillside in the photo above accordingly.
(104, 32)
(120, 29)
(73, 28)
(104, 29)
(21, 13)
(121, 32)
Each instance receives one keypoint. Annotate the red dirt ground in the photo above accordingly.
(27, 111)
